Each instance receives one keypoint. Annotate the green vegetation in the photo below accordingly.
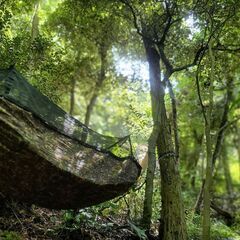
(166, 72)
(10, 236)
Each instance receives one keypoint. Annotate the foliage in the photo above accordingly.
(139, 232)
(71, 39)
(219, 230)
(5, 235)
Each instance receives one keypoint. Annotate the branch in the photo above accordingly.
(174, 116)
(204, 47)
(200, 51)
(165, 60)
(199, 92)
(194, 62)
(228, 124)
(226, 49)
(135, 19)
(169, 23)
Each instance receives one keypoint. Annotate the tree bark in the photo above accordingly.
(172, 223)
(172, 226)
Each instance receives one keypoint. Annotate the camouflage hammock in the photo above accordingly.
(51, 159)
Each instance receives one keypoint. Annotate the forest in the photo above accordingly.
(120, 119)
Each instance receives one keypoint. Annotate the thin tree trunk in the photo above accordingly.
(207, 186)
(194, 158)
(147, 206)
(237, 146)
(35, 21)
(90, 107)
(172, 225)
(226, 169)
(101, 78)
(209, 165)
(220, 135)
(238, 150)
(224, 121)
(174, 116)
(198, 203)
(72, 96)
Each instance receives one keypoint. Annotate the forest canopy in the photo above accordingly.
(165, 72)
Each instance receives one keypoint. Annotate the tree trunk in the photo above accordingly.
(220, 135)
(237, 147)
(100, 80)
(209, 165)
(194, 158)
(207, 186)
(90, 107)
(174, 117)
(35, 21)
(72, 95)
(224, 120)
(227, 173)
(147, 206)
(238, 150)
(154, 75)
(172, 225)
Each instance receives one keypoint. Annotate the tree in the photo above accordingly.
(97, 26)
(154, 33)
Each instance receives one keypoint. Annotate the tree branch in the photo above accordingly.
(135, 18)
(194, 62)
(226, 49)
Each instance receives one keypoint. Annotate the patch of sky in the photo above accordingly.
(192, 23)
(130, 68)
(135, 69)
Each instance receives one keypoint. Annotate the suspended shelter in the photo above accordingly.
(50, 159)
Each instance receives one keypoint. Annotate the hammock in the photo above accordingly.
(50, 159)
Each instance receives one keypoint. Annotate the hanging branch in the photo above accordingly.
(199, 92)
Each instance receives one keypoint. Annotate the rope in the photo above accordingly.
(167, 154)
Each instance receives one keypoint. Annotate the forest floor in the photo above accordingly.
(20, 222)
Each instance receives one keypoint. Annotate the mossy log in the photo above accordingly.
(38, 165)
